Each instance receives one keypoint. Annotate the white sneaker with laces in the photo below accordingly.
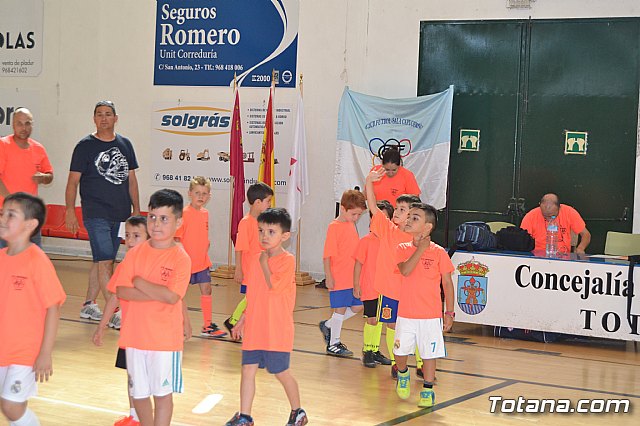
(115, 320)
(91, 311)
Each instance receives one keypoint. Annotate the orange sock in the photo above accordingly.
(205, 305)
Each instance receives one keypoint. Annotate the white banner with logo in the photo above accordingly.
(12, 99)
(192, 139)
(567, 296)
(21, 38)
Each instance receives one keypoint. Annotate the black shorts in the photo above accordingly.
(121, 359)
(370, 308)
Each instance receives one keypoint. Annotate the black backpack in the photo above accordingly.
(514, 238)
(475, 236)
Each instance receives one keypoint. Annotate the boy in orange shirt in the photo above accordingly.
(248, 242)
(30, 299)
(194, 236)
(391, 233)
(422, 265)
(364, 274)
(154, 277)
(338, 260)
(267, 326)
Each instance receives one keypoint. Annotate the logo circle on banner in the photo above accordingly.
(378, 147)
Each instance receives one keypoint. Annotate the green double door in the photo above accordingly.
(524, 85)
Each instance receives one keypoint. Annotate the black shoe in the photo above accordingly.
(339, 350)
(326, 331)
(394, 372)
(380, 358)
(420, 373)
(368, 359)
(298, 418)
(322, 284)
(228, 325)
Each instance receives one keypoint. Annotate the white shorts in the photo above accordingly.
(18, 383)
(425, 334)
(156, 373)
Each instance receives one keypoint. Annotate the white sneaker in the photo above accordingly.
(115, 320)
(91, 311)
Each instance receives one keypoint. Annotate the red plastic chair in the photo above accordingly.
(83, 234)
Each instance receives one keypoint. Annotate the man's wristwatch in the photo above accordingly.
(452, 314)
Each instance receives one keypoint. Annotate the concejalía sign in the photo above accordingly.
(206, 42)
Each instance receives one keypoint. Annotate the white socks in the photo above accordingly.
(27, 419)
(336, 327)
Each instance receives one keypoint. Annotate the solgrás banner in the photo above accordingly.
(206, 42)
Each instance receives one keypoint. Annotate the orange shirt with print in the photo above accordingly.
(17, 165)
(340, 246)
(367, 255)
(387, 282)
(28, 287)
(111, 287)
(390, 188)
(420, 290)
(568, 220)
(153, 325)
(269, 316)
(247, 242)
(194, 236)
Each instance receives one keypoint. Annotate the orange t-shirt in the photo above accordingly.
(367, 254)
(28, 287)
(404, 182)
(248, 242)
(340, 246)
(153, 325)
(420, 291)
(568, 220)
(386, 282)
(17, 165)
(194, 236)
(269, 316)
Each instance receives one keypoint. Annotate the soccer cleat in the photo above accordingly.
(403, 387)
(238, 420)
(339, 350)
(427, 398)
(379, 358)
(228, 325)
(394, 372)
(115, 320)
(419, 371)
(326, 331)
(127, 421)
(91, 311)
(212, 330)
(368, 359)
(297, 418)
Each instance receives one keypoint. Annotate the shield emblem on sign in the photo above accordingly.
(472, 287)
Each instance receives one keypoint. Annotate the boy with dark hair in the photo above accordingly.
(423, 265)
(364, 274)
(248, 242)
(266, 327)
(30, 299)
(154, 277)
(387, 283)
(194, 236)
(339, 249)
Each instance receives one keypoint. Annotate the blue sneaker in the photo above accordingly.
(326, 332)
(239, 420)
(427, 398)
(403, 387)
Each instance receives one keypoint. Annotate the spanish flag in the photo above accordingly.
(266, 172)
(236, 169)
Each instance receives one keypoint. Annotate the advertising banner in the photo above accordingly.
(10, 100)
(21, 38)
(192, 139)
(206, 42)
(575, 297)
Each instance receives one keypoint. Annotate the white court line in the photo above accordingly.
(207, 404)
(91, 408)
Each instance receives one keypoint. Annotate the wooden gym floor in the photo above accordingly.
(87, 389)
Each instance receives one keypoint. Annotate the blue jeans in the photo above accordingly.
(103, 238)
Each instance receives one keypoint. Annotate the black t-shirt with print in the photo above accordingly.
(104, 184)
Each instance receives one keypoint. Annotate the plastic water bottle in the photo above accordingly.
(552, 237)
